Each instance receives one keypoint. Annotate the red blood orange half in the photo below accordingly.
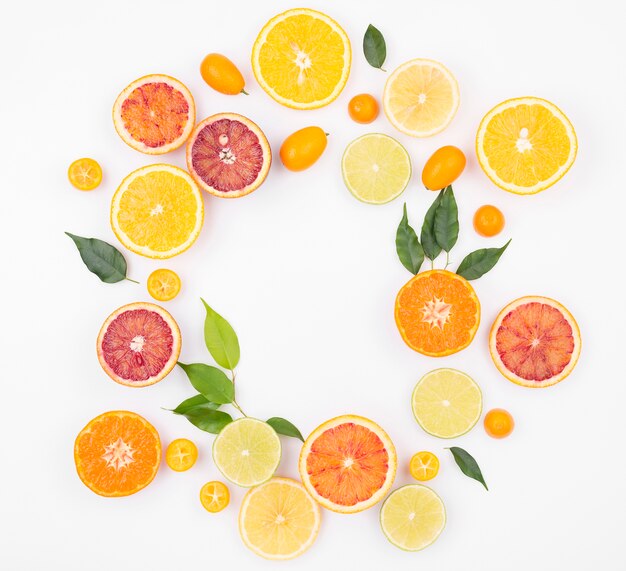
(138, 344)
(154, 114)
(228, 155)
(348, 464)
(535, 342)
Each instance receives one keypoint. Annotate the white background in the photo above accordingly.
(308, 275)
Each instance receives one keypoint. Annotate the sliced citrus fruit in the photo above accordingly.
(437, 313)
(279, 519)
(376, 168)
(247, 451)
(157, 211)
(447, 403)
(154, 114)
(525, 145)
(214, 496)
(181, 454)
(535, 342)
(163, 284)
(301, 58)
(421, 98)
(348, 464)
(424, 466)
(412, 517)
(228, 155)
(117, 454)
(138, 344)
(85, 174)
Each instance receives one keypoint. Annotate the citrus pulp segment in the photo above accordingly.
(301, 58)
(535, 342)
(117, 454)
(376, 168)
(348, 464)
(525, 145)
(279, 519)
(85, 174)
(247, 451)
(157, 211)
(138, 344)
(446, 403)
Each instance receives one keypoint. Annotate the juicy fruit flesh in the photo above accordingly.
(85, 174)
(181, 454)
(214, 496)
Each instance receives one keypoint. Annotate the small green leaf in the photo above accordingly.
(479, 262)
(208, 420)
(447, 221)
(374, 47)
(102, 259)
(210, 382)
(193, 402)
(221, 339)
(427, 238)
(408, 247)
(468, 465)
(284, 427)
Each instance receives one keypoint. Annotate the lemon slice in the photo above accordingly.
(447, 403)
(421, 98)
(412, 517)
(247, 451)
(278, 519)
(376, 168)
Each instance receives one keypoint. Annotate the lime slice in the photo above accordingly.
(447, 403)
(412, 517)
(247, 451)
(376, 168)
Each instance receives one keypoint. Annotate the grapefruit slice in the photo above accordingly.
(138, 344)
(228, 155)
(117, 454)
(154, 114)
(535, 342)
(348, 464)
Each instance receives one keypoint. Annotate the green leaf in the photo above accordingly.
(447, 221)
(102, 259)
(210, 382)
(408, 247)
(468, 465)
(429, 242)
(284, 427)
(193, 402)
(479, 262)
(221, 339)
(374, 47)
(208, 420)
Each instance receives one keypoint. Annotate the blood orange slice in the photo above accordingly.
(535, 342)
(138, 344)
(348, 464)
(154, 114)
(228, 155)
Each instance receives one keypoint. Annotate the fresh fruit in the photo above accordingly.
(222, 75)
(85, 174)
(488, 221)
(181, 454)
(278, 519)
(412, 517)
(424, 466)
(498, 423)
(525, 145)
(443, 167)
(301, 58)
(301, 149)
(348, 464)
(157, 211)
(437, 313)
(138, 344)
(363, 108)
(117, 454)
(163, 284)
(535, 342)
(154, 114)
(247, 451)
(421, 98)
(228, 155)
(214, 496)
(376, 168)
(446, 403)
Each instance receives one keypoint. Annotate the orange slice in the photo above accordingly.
(214, 496)
(85, 174)
(163, 284)
(181, 454)
(424, 466)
